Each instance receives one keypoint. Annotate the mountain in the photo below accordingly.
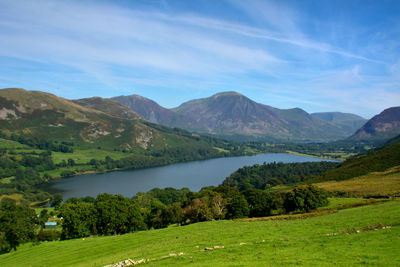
(383, 126)
(232, 115)
(150, 110)
(88, 123)
(377, 160)
(348, 122)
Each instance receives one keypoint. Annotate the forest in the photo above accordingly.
(268, 175)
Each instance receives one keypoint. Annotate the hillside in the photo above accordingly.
(108, 106)
(383, 126)
(349, 123)
(366, 235)
(377, 160)
(232, 115)
(88, 123)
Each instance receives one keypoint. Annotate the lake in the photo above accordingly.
(194, 175)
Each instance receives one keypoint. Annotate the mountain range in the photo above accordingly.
(89, 123)
(120, 122)
(232, 115)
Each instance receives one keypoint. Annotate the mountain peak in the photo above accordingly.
(227, 93)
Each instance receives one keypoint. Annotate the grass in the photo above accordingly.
(375, 183)
(9, 144)
(317, 241)
(325, 155)
(16, 197)
(84, 156)
(372, 184)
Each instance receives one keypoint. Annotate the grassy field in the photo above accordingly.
(371, 184)
(9, 144)
(84, 156)
(333, 155)
(375, 183)
(345, 238)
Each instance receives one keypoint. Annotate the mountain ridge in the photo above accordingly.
(230, 113)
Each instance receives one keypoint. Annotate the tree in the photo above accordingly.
(217, 205)
(168, 215)
(71, 162)
(117, 215)
(197, 211)
(305, 198)
(43, 217)
(237, 207)
(56, 200)
(260, 202)
(79, 220)
(17, 224)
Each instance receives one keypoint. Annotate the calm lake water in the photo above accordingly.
(193, 175)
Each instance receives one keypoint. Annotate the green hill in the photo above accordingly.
(43, 137)
(378, 160)
(368, 235)
(88, 123)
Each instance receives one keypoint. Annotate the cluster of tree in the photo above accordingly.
(17, 224)
(268, 175)
(108, 214)
(35, 142)
(320, 149)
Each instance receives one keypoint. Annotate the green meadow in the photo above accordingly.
(366, 235)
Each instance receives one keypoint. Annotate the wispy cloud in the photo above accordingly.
(113, 49)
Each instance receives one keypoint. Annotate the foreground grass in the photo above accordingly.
(260, 243)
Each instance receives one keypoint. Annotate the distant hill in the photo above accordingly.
(349, 123)
(150, 110)
(377, 160)
(88, 123)
(232, 115)
(108, 106)
(383, 126)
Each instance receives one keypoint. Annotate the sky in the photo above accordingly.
(322, 55)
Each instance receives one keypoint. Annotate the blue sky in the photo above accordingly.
(317, 55)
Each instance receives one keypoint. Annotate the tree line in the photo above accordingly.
(267, 175)
(114, 214)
